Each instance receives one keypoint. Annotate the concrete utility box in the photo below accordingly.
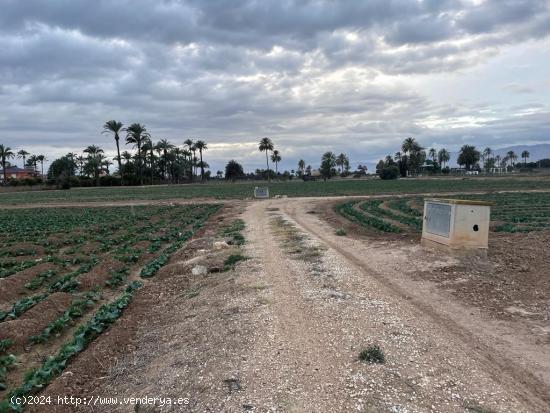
(457, 224)
(261, 193)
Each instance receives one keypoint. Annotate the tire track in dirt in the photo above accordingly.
(292, 359)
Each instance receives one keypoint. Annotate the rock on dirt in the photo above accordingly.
(199, 270)
(220, 245)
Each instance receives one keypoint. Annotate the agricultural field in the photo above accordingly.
(66, 274)
(294, 188)
(511, 212)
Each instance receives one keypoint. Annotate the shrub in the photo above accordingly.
(389, 172)
(232, 260)
(341, 232)
(372, 354)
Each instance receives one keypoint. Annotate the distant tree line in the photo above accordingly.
(413, 159)
(149, 162)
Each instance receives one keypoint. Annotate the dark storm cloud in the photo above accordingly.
(329, 73)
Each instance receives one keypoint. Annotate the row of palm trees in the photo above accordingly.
(509, 159)
(266, 145)
(138, 136)
(413, 156)
(29, 161)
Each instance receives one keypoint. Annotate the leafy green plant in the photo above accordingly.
(53, 366)
(232, 260)
(11, 267)
(372, 354)
(40, 279)
(76, 310)
(5, 344)
(21, 306)
(341, 232)
(6, 362)
(117, 277)
(233, 231)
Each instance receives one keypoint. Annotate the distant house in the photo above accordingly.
(14, 172)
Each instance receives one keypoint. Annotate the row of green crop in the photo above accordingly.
(402, 205)
(373, 208)
(66, 283)
(348, 211)
(53, 366)
(76, 310)
(152, 267)
(6, 361)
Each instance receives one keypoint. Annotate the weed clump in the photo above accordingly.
(372, 354)
(341, 232)
(232, 260)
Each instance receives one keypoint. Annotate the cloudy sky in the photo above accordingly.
(351, 76)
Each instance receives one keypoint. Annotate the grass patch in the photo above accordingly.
(232, 260)
(341, 232)
(475, 408)
(233, 232)
(372, 354)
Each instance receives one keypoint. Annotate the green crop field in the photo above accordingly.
(511, 212)
(241, 190)
(68, 273)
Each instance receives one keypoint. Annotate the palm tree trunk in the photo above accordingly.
(202, 166)
(119, 161)
(4, 169)
(267, 164)
(139, 165)
(152, 166)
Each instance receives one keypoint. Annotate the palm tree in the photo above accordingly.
(93, 161)
(190, 144)
(276, 158)
(512, 157)
(127, 156)
(5, 154)
(148, 147)
(41, 159)
(525, 155)
(408, 145)
(23, 154)
(136, 133)
(340, 161)
(113, 126)
(72, 157)
(32, 162)
(443, 157)
(80, 162)
(432, 152)
(487, 152)
(498, 159)
(468, 156)
(414, 153)
(201, 146)
(301, 166)
(266, 145)
(164, 146)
